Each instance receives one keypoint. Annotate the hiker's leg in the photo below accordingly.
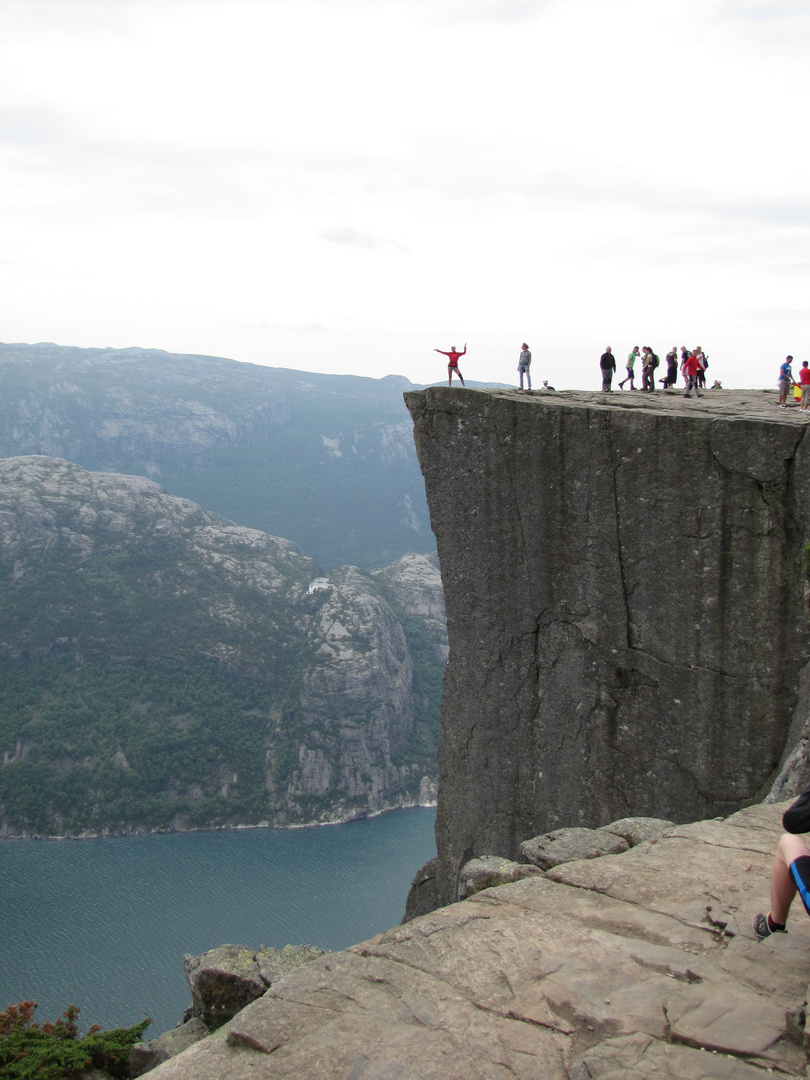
(783, 886)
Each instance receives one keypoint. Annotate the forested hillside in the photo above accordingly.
(162, 667)
(326, 461)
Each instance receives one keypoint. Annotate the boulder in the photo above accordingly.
(222, 982)
(635, 830)
(145, 1056)
(489, 871)
(423, 895)
(274, 964)
(569, 845)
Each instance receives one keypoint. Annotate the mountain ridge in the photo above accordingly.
(167, 668)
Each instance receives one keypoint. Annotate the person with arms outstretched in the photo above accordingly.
(452, 363)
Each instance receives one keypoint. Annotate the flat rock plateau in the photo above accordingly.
(636, 965)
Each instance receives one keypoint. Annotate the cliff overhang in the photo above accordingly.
(624, 584)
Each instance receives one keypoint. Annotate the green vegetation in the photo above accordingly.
(162, 669)
(54, 1050)
(112, 746)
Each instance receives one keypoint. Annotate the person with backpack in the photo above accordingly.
(607, 362)
(651, 362)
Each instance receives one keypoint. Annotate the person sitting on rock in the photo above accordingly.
(791, 870)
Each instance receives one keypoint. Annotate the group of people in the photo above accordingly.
(786, 382)
(692, 364)
(524, 364)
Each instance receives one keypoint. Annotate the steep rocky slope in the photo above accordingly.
(624, 578)
(164, 667)
(326, 461)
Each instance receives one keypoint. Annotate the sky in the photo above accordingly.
(344, 185)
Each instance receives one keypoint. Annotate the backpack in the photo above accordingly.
(655, 361)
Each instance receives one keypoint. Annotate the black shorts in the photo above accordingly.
(800, 872)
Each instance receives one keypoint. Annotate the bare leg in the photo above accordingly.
(783, 888)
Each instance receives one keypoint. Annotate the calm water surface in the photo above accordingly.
(103, 924)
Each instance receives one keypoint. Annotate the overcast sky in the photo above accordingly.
(343, 185)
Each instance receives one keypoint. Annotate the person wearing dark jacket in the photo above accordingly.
(608, 365)
(791, 870)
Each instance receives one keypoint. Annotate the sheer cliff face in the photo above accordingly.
(625, 607)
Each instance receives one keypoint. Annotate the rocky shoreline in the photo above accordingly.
(428, 804)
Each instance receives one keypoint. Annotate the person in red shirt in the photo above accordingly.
(804, 382)
(691, 366)
(452, 363)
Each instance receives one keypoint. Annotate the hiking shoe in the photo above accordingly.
(763, 927)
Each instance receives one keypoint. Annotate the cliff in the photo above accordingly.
(624, 586)
(162, 667)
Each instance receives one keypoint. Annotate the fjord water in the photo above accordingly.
(103, 924)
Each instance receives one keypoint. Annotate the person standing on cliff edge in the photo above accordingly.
(607, 362)
(524, 363)
(631, 360)
(791, 870)
(804, 382)
(452, 363)
(785, 381)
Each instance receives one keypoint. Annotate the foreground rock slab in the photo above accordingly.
(635, 965)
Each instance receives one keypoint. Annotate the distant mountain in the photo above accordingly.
(162, 667)
(326, 461)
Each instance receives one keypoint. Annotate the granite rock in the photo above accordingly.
(274, 964)
(145, 1056)
(489, 872)
(637, 829)
(631, 966)
(567, 845)
(624, 585)
(223, 981)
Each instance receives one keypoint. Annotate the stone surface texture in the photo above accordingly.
(145, 1056)
(223, 981)
(566, 845)
(636, 965)
(625, 599)
(489, 871)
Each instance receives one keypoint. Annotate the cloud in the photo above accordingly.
(353, 238)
